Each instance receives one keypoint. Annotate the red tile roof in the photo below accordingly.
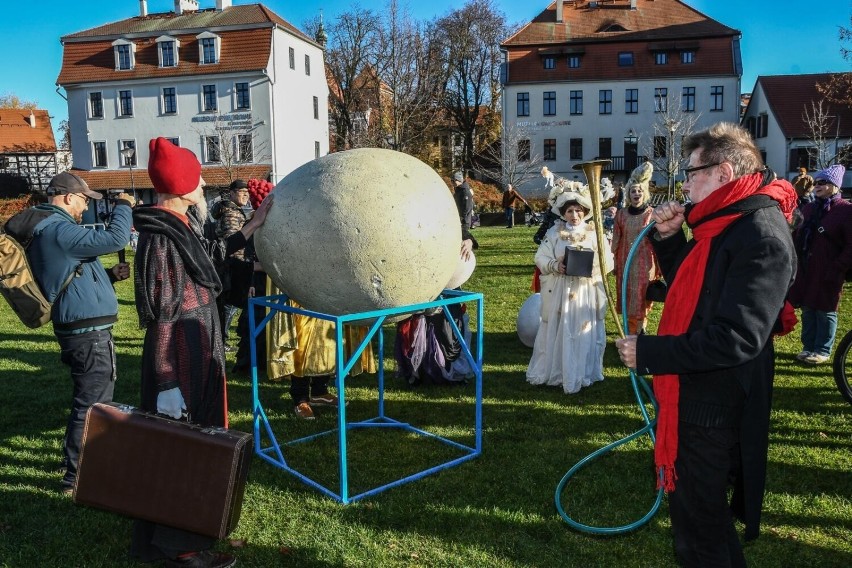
(214, 176)
(88, 55)
(653, 20)
(18, 137)
(789, 95)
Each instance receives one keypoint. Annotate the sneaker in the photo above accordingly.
(816, 359)
(803, 355)
(203, 559)
(304, 411)
(326, 399)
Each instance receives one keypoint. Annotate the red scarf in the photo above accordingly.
(685, 290)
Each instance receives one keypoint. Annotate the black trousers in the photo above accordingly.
(703, 525)
(303, 388)
(91, 357)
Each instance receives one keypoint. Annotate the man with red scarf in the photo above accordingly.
(713, 357)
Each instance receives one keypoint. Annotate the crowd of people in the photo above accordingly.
(756, 242)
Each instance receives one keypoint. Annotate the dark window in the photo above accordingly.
(316, 108)
(316, 149)
(625, 59)
(751, 126)
(762, 125)
(292, 58)
(631, 101)
(802, 158)
(717, 97)
(661, 58)
(660, 147)
(125, 161)
(167, 53)
(208, 50)
(549, 61)
(307, 64)
(209, 104)
(605, 101)
(169, 100)
(661, 99)
(575, 149)
(244, 148)
(524, 150)
(550, 149)
(211, 148)
(576, 102)
(99, 150)
(523, 104)
(687, 56)
(96, 105)
(175, 140)
(549, 103)
(574, 61)
(123, 56)
(243, 99)
(604, 147)
(125, 103)
(688, 99)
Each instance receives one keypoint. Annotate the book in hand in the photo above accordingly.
(578, 262)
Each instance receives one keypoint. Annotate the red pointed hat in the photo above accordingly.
(172, 169)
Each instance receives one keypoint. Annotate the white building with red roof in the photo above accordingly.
(588, 79)
(237, 84)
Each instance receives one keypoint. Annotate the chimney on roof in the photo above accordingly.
(143, 8)
(559, 9)
(222, 4)
(182, 6)
(32, 119)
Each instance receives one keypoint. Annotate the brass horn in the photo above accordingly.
(592, 170)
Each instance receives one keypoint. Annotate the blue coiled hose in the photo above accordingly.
(640, 386)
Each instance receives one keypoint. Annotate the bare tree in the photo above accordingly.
(409, 66)
(232, 140)
(470, 46)
(664, 145)
(509, 159)
(838, 89)
(824, 136)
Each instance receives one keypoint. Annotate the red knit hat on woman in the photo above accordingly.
(172, 169)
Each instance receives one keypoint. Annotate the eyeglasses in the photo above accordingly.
(687, 171)
(85, 197)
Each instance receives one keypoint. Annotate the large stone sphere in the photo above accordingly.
(361, 230)
(529, 319)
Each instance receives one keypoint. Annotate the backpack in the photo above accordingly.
(17, 283)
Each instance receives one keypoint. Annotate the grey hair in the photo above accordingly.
(726, 142)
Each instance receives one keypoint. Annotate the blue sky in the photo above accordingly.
(779, 36)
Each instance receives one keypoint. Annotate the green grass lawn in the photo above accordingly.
(494, 511)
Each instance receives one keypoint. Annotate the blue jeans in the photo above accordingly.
(510, 216)
(818, 330)
(91, 357)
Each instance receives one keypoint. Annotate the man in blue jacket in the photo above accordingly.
(64, 260)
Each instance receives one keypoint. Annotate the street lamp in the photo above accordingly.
(127, 153)
(672, 126)
(630, 141)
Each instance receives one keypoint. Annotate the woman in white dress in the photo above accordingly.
(570, 343)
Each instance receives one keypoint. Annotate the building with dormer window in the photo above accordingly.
(589, 79)
(219, 81)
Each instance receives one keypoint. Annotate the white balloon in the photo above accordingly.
(529, 319)
(464, 269)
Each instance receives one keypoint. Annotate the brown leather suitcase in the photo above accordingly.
(173, 473)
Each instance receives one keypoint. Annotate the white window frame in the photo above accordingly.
(89, 105)
(207, 149)
(217, 43)
(118, 112)
(316, 108)
(166, 39)
(307, 65)
(163, 101)
(236, 99)
(125, 143)
(239, 147)
(132, 54)
(95, 155)
(202, 107)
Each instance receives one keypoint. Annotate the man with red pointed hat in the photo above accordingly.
(713, 359)
(183, 357)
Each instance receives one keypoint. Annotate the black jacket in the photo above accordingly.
(725, 360)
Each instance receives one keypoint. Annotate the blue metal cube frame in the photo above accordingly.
(274, 453)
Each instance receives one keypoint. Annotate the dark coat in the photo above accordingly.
(725, 360)
(822, 271)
